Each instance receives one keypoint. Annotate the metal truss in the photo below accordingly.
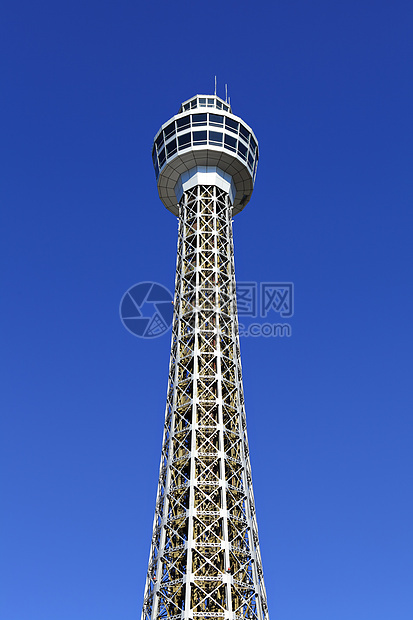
(205, 560)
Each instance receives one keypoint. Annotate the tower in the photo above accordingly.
(205, 560)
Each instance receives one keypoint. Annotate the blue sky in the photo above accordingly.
(327, 88)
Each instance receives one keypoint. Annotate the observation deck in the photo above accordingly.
(205, 141)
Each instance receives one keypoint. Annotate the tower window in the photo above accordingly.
(250, 160)
(242, 150)
(244, 133)
(184, 141)
(231, 125)
(215, 137)
(171, 147)
(230, 143)
(159, 141)
(169, 130)
(200, 137)
(216, 119)
(162, 157)
(199, 119)
(183, 123)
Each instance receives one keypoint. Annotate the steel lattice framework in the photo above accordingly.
(205, 560)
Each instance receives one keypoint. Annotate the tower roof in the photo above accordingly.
(205, 101)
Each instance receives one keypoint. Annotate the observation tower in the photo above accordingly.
(205, 560)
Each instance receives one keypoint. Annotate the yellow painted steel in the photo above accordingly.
(205, 560)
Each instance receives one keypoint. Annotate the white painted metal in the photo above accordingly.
(205, 560)
(205, 175)
(203, 134)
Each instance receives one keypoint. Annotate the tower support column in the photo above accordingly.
(205, 560)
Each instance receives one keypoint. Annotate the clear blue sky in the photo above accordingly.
(327, 87)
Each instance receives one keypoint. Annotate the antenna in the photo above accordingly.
(226, 93)
(215, 90)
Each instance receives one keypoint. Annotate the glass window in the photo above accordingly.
(171, 147)
(184, 140)
(200, 137)
(183, 123)
(225, 108)
(154, 155)
(202, 102)
(156, 169)
(162, 157)
(169, 130)
(215, 137)
(230, 143)
(199, 119)
(253, 145)
(186, 107)
(193, 103)
(210, 103)
(242, 149)
(244, 133)
(231, 124)
(216, 119)
(255, 167)
(250, 160)
(219, 105)
(159, 141)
